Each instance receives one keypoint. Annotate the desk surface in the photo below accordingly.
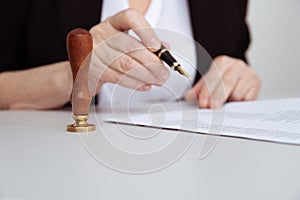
(39, 160)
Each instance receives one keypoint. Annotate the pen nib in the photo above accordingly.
(184, 73)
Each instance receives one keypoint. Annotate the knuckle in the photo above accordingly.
(237, 67)
(131, 15)
(100, 30)
(220, 58)
(95, 29)
(130, 12)
(228, 80)
(240, 62)
(248, 71)
(221, 63)
(251, 73)
(126, 63)
(111, 76)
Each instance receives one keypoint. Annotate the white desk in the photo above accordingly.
(39, 160)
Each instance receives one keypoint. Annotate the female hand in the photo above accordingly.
(228, 79)
(121, 58)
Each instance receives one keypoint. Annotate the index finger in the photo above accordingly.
(132, 19)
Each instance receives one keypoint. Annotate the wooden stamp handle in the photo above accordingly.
(80, 46)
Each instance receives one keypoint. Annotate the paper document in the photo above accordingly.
(269, 120)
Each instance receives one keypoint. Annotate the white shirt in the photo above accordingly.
(171, 21)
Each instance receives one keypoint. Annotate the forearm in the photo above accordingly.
(42, 87)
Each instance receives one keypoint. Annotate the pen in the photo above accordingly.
(166, 56)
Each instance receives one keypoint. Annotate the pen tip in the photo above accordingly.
(184, 73)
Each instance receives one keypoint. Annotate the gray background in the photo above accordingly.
(275, 49)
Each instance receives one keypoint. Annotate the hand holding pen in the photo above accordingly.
(127, 61)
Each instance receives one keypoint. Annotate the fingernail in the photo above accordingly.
(146, 87)
(164, 74)
(155, 44)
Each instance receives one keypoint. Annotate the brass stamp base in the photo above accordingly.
(81, 125)
(81, 129)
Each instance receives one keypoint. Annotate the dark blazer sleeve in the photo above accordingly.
(220, 28)
(13, 19)
(33, 32)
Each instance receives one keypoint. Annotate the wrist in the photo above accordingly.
(63, 82)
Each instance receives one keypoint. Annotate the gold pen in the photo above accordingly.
(166, 56)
